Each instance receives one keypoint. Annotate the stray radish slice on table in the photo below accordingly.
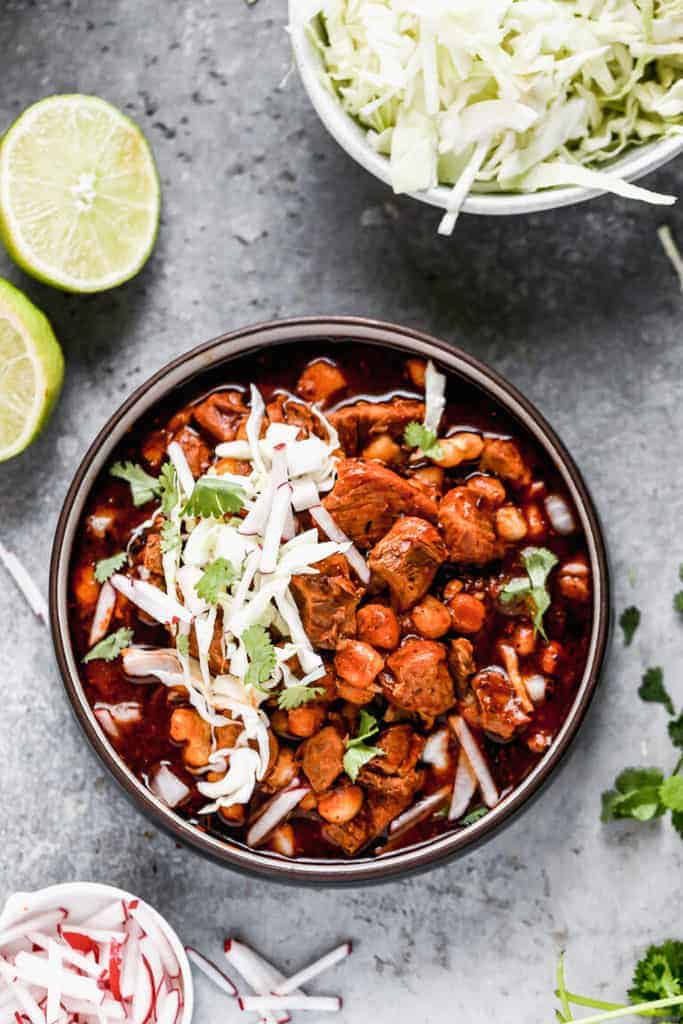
(314, 969)
(489, 790)
(214, 973)
(116, 965)
(26, 584)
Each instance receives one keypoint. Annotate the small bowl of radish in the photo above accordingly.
(86, 953)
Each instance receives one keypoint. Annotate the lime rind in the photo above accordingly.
(79, 194)
(30, 359)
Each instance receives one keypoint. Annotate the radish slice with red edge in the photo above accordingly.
(141, 913)
(214, 973)
(278, 809)
(144, 993)
(258, 973)
(168, 1007)
(22, 995)
(316, 1004)
(322, 517)
(109, 918)
(36, 922)
(307, 974)
(489, 790)
(418, 812)
(464, 787)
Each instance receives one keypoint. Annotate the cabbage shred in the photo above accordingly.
(510, 95)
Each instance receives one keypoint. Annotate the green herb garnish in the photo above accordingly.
(629, 622)
(473, 816)
(532, 589)
(637, 795)
(182, 644)
(170, 536)
(214, 497)
(143, 487)
(106, 567)
(358, 752)
(168, 488)
(418, 436)
(112, 645)
(261, 654)
(676, 731)
(216, 579)
(652, 689)
(295, 696)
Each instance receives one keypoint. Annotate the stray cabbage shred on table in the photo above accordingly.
(512, 95)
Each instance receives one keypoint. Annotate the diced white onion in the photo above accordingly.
(536, 687)
(166, 785)
(464, 787)
(489, 790)
(560, 515)
(435, 397)
(435, 750)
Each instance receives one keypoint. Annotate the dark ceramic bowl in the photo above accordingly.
(215, 355)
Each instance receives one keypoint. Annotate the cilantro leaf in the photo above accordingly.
(676, 731)
(216, 580)
(170, 536)
(261, 654)
(629, 622)
(106, 567)
(532, 590)
(659, 975)
(652, 689)
(677, 822)
(678, 602)
(295, 696)
(671, 793)
(143, 487)
(182, 644)
(418, 436)
(112, 645)
(473, 816)
(636, 795)
(358, 752)
(214, 496)
(168, 488)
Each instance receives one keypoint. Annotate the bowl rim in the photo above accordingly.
(636, 162)
(221, 351)
(61, 891)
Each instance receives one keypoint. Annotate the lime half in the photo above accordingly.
(79, 194)
(31, 371)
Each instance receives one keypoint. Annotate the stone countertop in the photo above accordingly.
(264, 217)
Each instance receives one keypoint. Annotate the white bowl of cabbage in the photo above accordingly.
(498, 107)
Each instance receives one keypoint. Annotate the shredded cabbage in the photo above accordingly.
(505, 95)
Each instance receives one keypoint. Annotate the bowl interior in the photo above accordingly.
(632, 165)
(212, 358)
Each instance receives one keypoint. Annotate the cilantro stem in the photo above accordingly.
(594, 1004)
(562, 989)
(632, 1011)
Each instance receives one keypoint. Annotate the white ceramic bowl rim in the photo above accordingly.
(352, 138)
(94, 895)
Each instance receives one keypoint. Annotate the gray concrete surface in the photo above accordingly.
(264, 217)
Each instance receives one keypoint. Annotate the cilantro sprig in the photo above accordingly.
(653, 691)
(416, 435)
(182, 644)
(261, 654)
(629, 620)
(168, 488)
(143, 487)
(656, 990)
(213, 496)
(295, 696)
(106, 567)
(112, 645)
(358, 752)
(678, 597)
(216, 580)
(532, 589)
(170, 536)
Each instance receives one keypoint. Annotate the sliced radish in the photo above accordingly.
(144, 916)
(278, 809)
(43, 922)
(104, 610)
(54, 989)
(144, 993)
(260, 975)
(115, 962)
(464, 787)
(418, 812)
(489, 790)
(313, 970)
(168, 1007)
(86, 940)
(536, 687)
(182, 468)
(317, 1004)
(436, 750)
(36, 970)
(253, 427)
(214, 973)
(305, 495)
(151, 954)
(111, 917)
(560, 515)
(22, 995)
(129, 967)
(353, 556)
